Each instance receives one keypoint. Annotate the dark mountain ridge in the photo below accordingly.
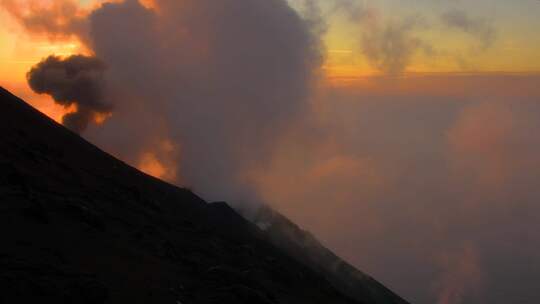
(79, 226)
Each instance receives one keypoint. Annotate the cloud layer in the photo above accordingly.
(429, 179)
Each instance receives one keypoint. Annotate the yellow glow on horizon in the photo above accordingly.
(515, 49)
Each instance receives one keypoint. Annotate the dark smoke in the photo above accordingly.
(76, 80)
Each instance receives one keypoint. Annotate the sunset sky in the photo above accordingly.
(411, 149)
(515, 47)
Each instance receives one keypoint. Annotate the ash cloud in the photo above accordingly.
(73, 81)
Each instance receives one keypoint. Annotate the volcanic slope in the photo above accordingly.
(79, 226)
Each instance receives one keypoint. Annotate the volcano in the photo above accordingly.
(79, 226)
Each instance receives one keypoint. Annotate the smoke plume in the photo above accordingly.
(73, 81)
(56, 18)
(391, 47)
(480, 29)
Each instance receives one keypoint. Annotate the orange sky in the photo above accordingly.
(516, 48)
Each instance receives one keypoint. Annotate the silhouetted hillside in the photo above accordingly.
(79, 226)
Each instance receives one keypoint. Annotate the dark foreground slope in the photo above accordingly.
(304, 247)
(79, 226)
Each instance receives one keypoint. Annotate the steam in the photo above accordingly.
(206, 87)
(73, 81)
(218, 81)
